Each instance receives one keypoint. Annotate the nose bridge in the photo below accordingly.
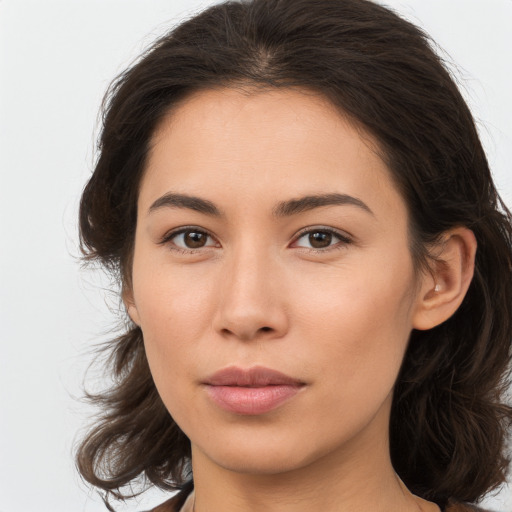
(249, 264)
(248, 277)
(250, 302)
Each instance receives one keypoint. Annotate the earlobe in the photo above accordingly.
(130, 306)
(443, 289)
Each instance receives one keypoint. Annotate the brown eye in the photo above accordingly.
(190, 239)
(194, 239)
(320, 239)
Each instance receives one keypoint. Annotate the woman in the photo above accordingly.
(315, 263)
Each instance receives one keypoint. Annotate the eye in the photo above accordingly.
(321, 238)
(189, 239)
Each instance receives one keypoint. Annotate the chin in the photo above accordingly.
(257, 462)
(270, 454)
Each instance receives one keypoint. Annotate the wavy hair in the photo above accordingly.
(449, 419)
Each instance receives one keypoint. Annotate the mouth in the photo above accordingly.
(252, 391)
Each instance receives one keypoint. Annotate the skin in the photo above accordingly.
(337, 317)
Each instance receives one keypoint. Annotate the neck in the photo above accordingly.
(359, 477)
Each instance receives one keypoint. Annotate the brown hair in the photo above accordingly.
(449, 419)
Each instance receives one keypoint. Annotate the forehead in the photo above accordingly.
(244, 145)
(274, 115)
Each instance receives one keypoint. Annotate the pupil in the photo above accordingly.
(320, 239)
(193, 239)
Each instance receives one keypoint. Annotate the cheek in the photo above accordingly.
(357, 324)
(356, 336)
(174, 309)
(355, 298)
(169, 295)
(171, 324)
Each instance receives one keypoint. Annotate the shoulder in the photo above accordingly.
(175, 504)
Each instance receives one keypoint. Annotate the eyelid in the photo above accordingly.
(344, 238)
(169, 235)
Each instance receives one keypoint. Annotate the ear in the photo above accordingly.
(443, 289)
(130, 306)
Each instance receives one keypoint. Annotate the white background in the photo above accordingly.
(56, 60)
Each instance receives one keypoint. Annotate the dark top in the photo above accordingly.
(177, 501)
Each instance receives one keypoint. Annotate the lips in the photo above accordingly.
(252, 391)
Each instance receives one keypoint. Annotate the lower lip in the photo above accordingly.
(251, 401)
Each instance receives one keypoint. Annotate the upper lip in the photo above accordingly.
(257, 376)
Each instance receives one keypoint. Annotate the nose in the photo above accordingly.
(251, 301)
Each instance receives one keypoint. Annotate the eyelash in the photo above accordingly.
(167, 239)
(343, 239)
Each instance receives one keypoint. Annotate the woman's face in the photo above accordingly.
(270, 238)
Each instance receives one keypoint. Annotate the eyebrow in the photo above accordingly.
(302, 204)
(173, 200)
(282, 209)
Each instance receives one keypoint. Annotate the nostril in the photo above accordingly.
(266, 329)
